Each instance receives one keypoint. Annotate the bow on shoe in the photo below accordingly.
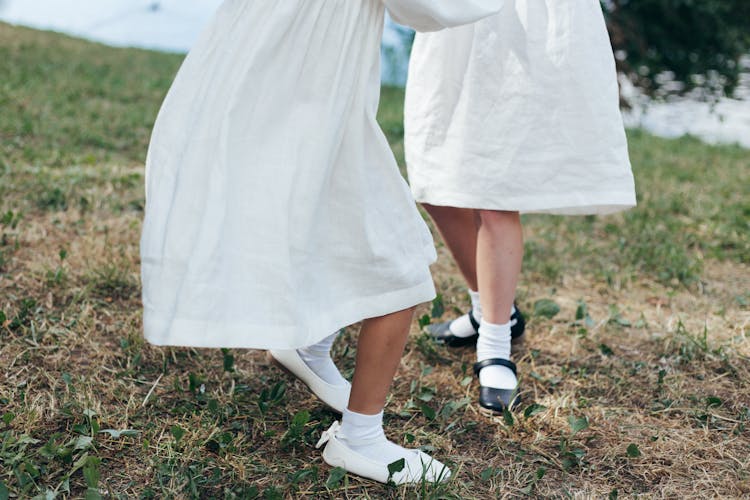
(327, 435)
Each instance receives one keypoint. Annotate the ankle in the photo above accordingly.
(476, 305)
(361, 428)
(494, 341)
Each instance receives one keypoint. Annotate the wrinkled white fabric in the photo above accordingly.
(519, 112)
(434, 15)
(275, 210)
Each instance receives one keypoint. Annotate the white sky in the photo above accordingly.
(174, 26)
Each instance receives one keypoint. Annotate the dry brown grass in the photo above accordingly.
(88, 326)
(662, 364)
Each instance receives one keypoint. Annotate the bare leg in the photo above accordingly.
(381, 345)
(359, 444)
(499, 256)
(458, 226)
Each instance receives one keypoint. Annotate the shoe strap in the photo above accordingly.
(495, 362)
(330, 433)
(474, 322)
(514, 315)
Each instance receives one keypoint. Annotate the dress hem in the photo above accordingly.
(606, 202)
(182, 332)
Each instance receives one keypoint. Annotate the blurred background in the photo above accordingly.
(682, 66)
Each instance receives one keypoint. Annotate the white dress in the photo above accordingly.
(519, 112)
(275, 211)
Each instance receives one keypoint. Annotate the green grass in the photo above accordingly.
(67, 103)
(636, 369)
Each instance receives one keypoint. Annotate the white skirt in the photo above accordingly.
(519, 112)
(275, 211)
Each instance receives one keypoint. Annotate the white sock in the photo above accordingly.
(461, 326)
(494, 342)
(476, 305)
(364, 434)
(318, 358)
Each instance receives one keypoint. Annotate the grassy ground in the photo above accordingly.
(636, 370)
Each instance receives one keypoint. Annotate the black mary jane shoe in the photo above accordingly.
(442, 333)
(496, 399)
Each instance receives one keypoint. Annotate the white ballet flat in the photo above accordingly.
(418, 466)
(335, 396)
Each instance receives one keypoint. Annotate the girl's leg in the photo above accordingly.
(367, 450)
(458, 226)
(499, 257)
(381, 345)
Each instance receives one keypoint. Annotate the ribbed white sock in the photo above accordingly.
(364, 434)
(494, 342)
(318, 358)
(461, 326)
(476, 305)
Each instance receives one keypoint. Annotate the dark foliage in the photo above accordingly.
(697, 43)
